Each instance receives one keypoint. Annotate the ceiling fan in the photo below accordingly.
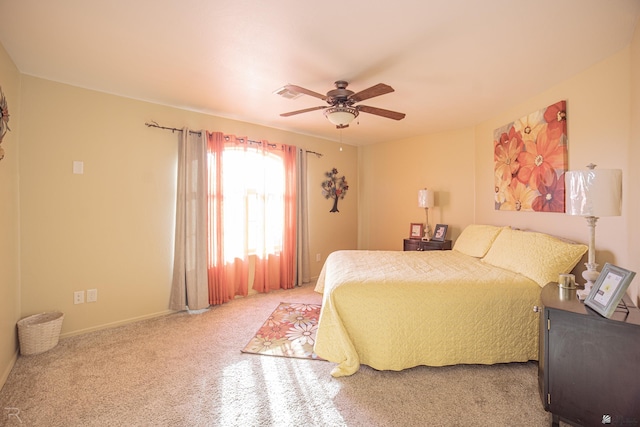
(341, 109)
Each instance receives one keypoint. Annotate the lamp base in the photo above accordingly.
(427, 233)
(590, 275)
(427, 229)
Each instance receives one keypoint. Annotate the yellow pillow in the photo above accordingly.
(476, 239)
(537, 256)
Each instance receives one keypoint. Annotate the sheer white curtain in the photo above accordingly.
(189, 286)
(302, 242)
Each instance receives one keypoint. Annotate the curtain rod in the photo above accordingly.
(156, 125)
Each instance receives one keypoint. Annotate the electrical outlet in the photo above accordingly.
(92, 295)
(78, 297)
(317, 257)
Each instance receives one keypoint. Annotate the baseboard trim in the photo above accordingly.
(115, 324)
(8, 369)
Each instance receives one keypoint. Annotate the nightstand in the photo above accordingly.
(423, 245)
(588, 364)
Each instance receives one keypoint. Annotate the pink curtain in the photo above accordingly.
(243, 217)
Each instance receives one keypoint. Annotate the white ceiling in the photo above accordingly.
(452, 63)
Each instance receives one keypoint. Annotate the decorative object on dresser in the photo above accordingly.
(567, 281)
(593, 193)
(587, 363)
(440, 232)
(415, 231)
(426, 245)
(609, 289)
(426, 200)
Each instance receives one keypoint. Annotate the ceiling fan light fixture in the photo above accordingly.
(341, 115)
(341, 110)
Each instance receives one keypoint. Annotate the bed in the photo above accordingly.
(394, 310)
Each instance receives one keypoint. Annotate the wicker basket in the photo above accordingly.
(40, 332)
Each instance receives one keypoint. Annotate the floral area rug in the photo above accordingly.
(290, 331)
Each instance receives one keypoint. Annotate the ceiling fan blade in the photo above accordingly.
(298, 89)
(306, 110)
(377, 90)
(381, 112)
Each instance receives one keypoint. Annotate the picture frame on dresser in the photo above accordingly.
(416, 230)
(440, 232)
(608, 290)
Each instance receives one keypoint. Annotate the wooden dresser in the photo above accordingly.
(423, 245)
(589, 366)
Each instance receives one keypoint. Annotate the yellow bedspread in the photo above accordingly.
(394, 310)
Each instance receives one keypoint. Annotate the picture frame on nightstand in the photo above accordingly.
(440, 232)
(416, 230)
(609, 289)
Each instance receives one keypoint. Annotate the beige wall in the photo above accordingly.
(459, 166)
(391, 175)
(633, 171)
(9, 220)
(112, 227)
(598, 130)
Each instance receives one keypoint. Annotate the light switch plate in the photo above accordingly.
(78, 167)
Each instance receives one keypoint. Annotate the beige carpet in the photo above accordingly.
(187, 370)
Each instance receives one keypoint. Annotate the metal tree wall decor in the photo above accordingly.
(4, 120)
(334, 187)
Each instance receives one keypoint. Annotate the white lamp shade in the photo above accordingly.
(594, 192)
(341, 115)
(426, 199)
(340, 118)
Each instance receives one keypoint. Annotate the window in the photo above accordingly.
(253, 189)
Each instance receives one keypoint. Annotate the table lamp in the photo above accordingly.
(426, 200)
(593, 193)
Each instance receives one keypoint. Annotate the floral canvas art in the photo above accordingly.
(530, 160)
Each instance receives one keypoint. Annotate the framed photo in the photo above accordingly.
(440, 232)
(609, 289)
(416, 230)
